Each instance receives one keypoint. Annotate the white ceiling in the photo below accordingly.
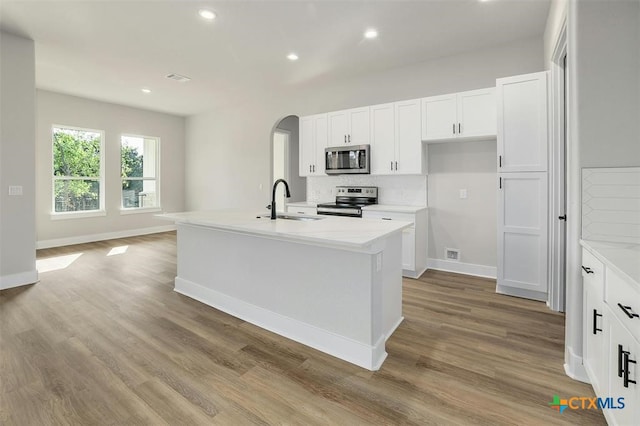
(109, 50)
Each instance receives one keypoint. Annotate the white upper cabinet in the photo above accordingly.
(522, 123)
(396, 147)
(349, 127)
(466, 115)
(313, 141)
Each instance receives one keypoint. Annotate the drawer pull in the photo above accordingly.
(621, 353)
(628, 311)
(627, 361)
(595, 321)
(386, 218)
(588, 270)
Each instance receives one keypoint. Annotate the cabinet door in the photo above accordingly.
(382, 139)
(522, 235)
(621, 344)
(439, 117)
(338, 128)
(320, 139)
(408, 141)
(595, 323)
(522, 123)
(477, 113)
(358, 126)
(307, 146)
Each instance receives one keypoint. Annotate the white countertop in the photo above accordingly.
(624, 258)
(329, 230)
(396, 209)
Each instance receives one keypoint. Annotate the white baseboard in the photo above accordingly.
(413, 274)
(366, 356)
(574, 367)
(16, 280)
(519, 292)
(462, 268)
(81, 239)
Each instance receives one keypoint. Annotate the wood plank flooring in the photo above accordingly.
(106, 341)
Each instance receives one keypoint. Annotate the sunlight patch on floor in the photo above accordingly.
(117, 250)
(56, 263)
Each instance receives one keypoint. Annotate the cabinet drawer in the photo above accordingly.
(405, 217)
(623, 299)
(592, 268)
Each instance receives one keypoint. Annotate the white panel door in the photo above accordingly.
(408, 138)
(307, 146)
(522, 232)
(477, 113)
(358, 126)
(439, 117)
(382, 139)
(321, 138)
(522, 123)
(338, 128)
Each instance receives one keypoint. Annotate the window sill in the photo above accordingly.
(140, 210)
(76, 215)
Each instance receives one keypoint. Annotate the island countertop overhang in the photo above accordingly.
(345, 232)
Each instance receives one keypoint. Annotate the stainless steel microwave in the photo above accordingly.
(347, 159)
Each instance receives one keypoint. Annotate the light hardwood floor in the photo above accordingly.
(107, 341)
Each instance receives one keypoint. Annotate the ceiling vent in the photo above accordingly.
(178, 77)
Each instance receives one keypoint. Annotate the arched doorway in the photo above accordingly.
(285, 154)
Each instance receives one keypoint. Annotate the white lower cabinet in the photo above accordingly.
(611, 331)
(414, 238)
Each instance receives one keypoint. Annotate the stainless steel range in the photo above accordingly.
(350, 200)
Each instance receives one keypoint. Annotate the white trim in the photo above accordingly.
(414, 274)
(574, 367)
(81, 239)
(366, 356)
(462, 268)
(81, 214)
(521, 292)
(557, 161)
(136, 210)
(16, 280)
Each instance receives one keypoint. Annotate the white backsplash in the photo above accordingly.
(611, 204)
(392, 190)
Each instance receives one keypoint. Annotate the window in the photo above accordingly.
(139, 160)
(78, 178)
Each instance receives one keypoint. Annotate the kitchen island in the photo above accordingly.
(332, 283)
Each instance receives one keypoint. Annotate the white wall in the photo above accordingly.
(17, 156)
(241, 134)
(114, 120)
(465, 224)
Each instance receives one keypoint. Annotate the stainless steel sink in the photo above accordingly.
(290, 217)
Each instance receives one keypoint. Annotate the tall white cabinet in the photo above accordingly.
(313, 141)
(522, 186)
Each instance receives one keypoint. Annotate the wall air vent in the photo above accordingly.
(452, 254)
(178, 77)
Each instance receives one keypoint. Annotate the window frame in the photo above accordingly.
(54, 215)
(136, 210)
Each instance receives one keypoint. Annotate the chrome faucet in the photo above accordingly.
(273, 196)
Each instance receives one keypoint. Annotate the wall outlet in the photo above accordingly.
(463, 194)
(452, 254)
(15, 190)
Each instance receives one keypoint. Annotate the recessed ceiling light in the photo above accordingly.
(371, 33)
(207, 14)
(292, 57)
(145, 90)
